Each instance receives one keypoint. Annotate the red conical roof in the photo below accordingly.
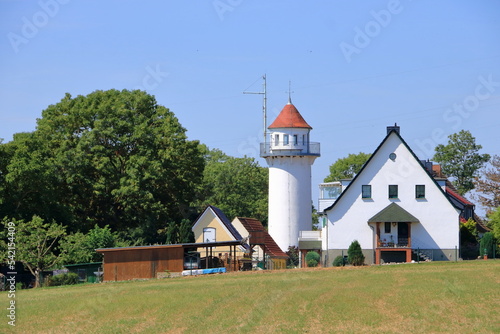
(289, 117)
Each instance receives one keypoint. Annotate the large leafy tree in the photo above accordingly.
(348, 167)
(36, 243)
(488, 185)
(29, 184)
(460, 159)
(80, 248)
(238, 186)
(112, 158)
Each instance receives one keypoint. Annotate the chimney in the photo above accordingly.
(393, 128)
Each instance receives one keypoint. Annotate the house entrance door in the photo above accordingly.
(403, 234)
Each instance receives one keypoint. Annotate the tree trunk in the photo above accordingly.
(37, 278)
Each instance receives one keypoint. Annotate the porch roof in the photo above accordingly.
(393, 213)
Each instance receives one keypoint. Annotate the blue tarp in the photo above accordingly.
(203, 271)
(214, 270)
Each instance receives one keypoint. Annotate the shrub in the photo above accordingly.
(338, 261)
(293, 257)
(64, 279)
(486, 245)
(312, 259)
(311, 263)
(355, 255)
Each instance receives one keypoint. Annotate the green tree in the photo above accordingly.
(355, 254)
(29, 180)
(488, 185)
(112, 158)
(75, 249)
(460, 159)
(486, 245)
(348, 167)
(80, 248)
(179, 233)
(469, 240)
(238, 186)
(494, 222)
(36, 243)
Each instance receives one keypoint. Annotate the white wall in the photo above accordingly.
(289, 198)
(438, 227)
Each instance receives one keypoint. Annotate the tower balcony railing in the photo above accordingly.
(291, 149)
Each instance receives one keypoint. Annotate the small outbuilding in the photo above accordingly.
(145, 262)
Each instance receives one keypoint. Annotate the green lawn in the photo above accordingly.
(438, 297)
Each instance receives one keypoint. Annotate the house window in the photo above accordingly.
(209, 234)
(366, 191)
(303, 139)
(387, 227)
(276, 139)
(420, 191)
(285, 140)
(295, 140)
(393, 191)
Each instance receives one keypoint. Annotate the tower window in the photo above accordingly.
(276, 139)
(366, 191)
(295, 140)
(285, 140)
(420, 191)
(303, 139)
(393, 191)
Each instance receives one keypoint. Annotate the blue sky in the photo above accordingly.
(431, 66)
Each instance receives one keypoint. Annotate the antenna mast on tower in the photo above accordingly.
(264, 106)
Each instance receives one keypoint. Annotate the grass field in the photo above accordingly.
(438, 297)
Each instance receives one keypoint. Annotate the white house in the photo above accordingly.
(393, 207)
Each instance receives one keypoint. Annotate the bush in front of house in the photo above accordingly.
(486, 244)
(293, 257)
(312, 259)
(355, 255)
(338, 261)
(64, 279)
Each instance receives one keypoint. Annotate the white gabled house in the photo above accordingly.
(394, 208)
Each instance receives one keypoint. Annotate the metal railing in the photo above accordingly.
(401, 243)
(291, 149)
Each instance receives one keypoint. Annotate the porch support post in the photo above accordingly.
(377, 256)
(408, 255)
(409, 234)
(378, 235)
(234, 261)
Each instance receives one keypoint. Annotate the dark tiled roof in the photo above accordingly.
(226, 222)
(450, 191)
(480, 225)
(289, 117)
(270, 246)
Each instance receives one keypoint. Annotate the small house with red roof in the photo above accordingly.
(213, 226)
(263, 248)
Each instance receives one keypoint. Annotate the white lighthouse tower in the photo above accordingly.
(290, 155)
